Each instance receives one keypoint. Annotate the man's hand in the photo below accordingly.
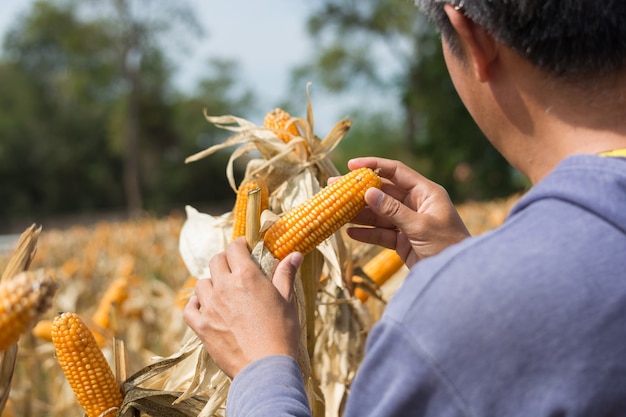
(411, 214)
(239, 314)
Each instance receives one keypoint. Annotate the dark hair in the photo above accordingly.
(566, 38)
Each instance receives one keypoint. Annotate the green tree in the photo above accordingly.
(54, 114)
(382, 46)
(65, 119)
(143, 74)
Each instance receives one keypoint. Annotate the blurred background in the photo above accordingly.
(101, 101)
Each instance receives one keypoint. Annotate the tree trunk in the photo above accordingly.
(132, 186)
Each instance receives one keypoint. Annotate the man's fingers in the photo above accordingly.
(285, 273)
(203, 286)
(191, 312)
(367, 217)
(375, 236)
(218, 265)
(390, 209)
(193, 303)
(403, 177)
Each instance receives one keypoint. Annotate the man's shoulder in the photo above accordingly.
(508, 309)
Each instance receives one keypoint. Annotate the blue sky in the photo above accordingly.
(267, 39)
(248, 31)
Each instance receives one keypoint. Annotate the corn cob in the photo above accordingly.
(241, 203)
(282, 124)
(380, 269)
(310, 223)
(115, 295)
(85, 366)
(23, 299)
(110, 304)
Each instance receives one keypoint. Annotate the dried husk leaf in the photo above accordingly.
(201, 237)
(159, 403)
(23, 253)
(155, 374)
(189, 380)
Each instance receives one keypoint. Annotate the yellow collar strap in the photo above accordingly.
(615, 152)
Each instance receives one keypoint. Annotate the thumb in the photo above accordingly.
(285, 274)
(388, 208)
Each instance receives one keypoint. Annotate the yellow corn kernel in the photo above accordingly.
(283, 125)
(85, 366)
(241, 202)
(380, 269)
(23, 299)
(310, 223)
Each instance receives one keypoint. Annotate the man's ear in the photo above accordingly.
(480, 48)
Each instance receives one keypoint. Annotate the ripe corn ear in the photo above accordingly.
(85, 366)
(380, 269)
(241, 203)
(114, 296)
(309, 224)
(282, 124)
(23, 299)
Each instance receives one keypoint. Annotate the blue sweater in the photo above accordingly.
(527, 320)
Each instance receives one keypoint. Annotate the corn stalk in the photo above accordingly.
(294, 170)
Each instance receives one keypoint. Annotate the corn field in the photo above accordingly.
(129, 280)
(87, 259)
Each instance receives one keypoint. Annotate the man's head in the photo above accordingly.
(565, 38)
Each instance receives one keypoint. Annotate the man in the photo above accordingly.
(528, 320)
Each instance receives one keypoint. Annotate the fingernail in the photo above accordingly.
(296, 259)
(375, 196)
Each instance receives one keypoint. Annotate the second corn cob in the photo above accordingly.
(282, 124)
(85, 366)
(379, 270)
(309, 224)
(241, 203)
(23, 299)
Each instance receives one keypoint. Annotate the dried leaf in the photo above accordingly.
(23, 254)
(160, 403)
(201, 237)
